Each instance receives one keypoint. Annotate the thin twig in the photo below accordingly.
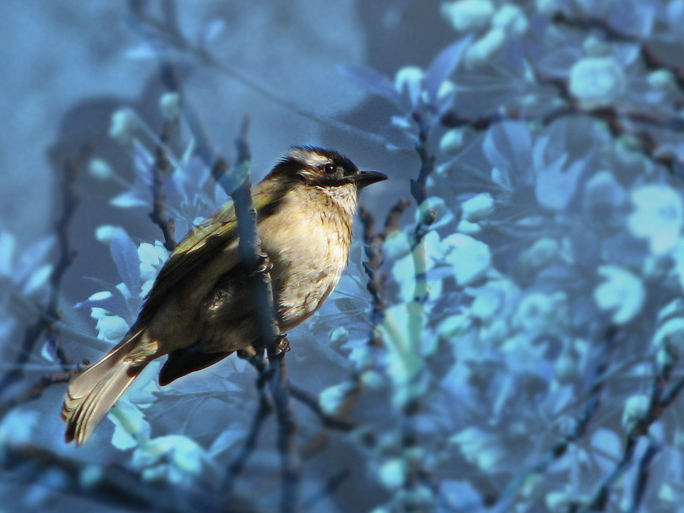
(373, 248)
(270, 338)
(329, 489)
(648, 56)
(264, 409)
(65, 257)
(580, 427)
(658, 402)
(287, 439)
(642, 475)
(311, 402)
(159, 172)
(114, 485)
(427, 160)
(40, 386)
(168, 29)
(638, 428)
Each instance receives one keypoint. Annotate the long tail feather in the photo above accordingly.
(93, 393)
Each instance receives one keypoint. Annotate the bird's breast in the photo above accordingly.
(308, 246)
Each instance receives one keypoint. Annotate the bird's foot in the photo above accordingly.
(264, 264)
(281, 346)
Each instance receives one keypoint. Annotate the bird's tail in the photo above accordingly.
(93, 393)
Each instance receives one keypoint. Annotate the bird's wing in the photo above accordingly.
(206, 243)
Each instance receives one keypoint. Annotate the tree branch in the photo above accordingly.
(159, 172)
(648, 56)
(580, 427)
(68, 202)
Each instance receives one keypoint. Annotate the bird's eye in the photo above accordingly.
(329, 168)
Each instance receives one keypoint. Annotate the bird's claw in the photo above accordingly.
(282, 345)
(264, 264)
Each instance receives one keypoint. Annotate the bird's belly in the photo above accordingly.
(301, 291)
(308, 260)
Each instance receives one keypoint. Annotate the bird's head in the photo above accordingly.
(323, 168)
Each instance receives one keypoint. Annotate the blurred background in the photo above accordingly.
(509, 333)
(76, 65)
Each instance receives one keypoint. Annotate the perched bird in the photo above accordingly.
(201, 306)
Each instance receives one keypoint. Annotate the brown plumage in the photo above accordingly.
(200, 308)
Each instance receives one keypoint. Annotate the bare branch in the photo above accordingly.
(311, 402)
(580, 427)
(330, 488)
(159, 173)
(68, 202)
(39, 387)
(167, 30)
(114, 486)
(287, 435)
(648, 56)
(427, 160)
(617, 119)
(264, 409)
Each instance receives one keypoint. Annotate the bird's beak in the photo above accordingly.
(365, 178)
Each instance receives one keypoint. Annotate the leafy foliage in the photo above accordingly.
(523, 350)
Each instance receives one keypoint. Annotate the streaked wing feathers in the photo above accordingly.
(205, 243)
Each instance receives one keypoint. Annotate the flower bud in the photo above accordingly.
(105, 233)
(511, 19)
(597, 81)
(333, 398)
(478, 207)
(122, 126)
(636, 410)
(170, 105)
(100, 169)
(468, 14)
(452, 141)
(393, 473)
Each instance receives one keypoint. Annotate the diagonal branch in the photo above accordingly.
(648, 56)
(167, 29)
(580, 428)
(159, 173)
(264, 409)
(68, 203)
(271, 339)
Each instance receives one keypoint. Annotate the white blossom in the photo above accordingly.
(481, 448)
(658, 216)
(541, 253)
(173, 457)
(170, 105)
(105, 233)
(110, 328)
(478, 207)
(511, 19)
(468, 14)
(636, 410)
(100, 169)
(393, 473)
(622, 292)
(597, 81)
(595, 47)
(333, 398)
(484, 49)
(470, 258)
(452, 141)
(468, 228)
(122, 126)
(662, 80)
(411, 79)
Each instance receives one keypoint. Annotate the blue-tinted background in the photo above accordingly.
(526, 352)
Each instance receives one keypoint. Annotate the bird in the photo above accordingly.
(201, 307)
